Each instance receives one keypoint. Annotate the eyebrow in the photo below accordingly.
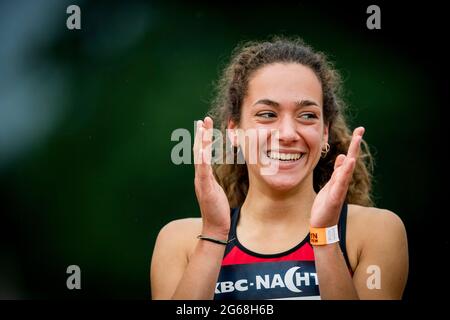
(301, 103)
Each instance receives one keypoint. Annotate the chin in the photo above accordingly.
(283, 182)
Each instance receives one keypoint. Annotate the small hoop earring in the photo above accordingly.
(325, 151)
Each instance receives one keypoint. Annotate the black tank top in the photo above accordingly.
(288, 275)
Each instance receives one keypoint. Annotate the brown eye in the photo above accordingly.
(308, 116)
(266, 115)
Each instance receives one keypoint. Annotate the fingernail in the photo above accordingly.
(362, 130)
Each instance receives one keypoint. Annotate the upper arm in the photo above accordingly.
(169, 260)
(382, 269)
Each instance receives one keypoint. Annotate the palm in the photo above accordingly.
(212, 199)
(328, 202)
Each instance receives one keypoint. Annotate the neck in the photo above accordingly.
(264, 206)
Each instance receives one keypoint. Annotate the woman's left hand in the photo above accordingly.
(328, 203)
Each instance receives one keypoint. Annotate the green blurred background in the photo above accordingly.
(86, 118)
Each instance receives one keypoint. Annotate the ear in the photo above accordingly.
(232, 133)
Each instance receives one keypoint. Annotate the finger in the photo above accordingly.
(343, 178)
(207, 140)
(347, 170)
(208, 123)
(203, 169)
(353, 149)
(337, 167)
(198, 142)
(339, 161)
(210, 126)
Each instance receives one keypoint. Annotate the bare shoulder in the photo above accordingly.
(181, 234)
(372, 217)
(182, 226)
(370, 223)
(377, 238)
(171, 256)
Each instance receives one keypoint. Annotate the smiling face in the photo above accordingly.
(286, 97)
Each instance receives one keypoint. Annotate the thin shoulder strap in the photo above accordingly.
(234, 212)
(342, 228)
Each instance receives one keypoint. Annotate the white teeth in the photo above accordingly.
(284, 156)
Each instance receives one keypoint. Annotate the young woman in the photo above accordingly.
(307, 231)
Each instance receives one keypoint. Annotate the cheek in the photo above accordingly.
(312, 135)
(255, 133)
(253, 141)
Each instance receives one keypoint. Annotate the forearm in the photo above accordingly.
(200, 277)
(335, 281)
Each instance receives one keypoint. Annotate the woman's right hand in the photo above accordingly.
(213, 202)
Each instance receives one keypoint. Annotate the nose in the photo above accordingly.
(288, 130)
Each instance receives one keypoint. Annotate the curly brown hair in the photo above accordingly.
(232, 88)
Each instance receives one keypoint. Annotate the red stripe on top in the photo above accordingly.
(237, 256)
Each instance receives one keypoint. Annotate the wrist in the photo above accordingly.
(216, 233)
(323, 223)
(323, 236)
(327, 248)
